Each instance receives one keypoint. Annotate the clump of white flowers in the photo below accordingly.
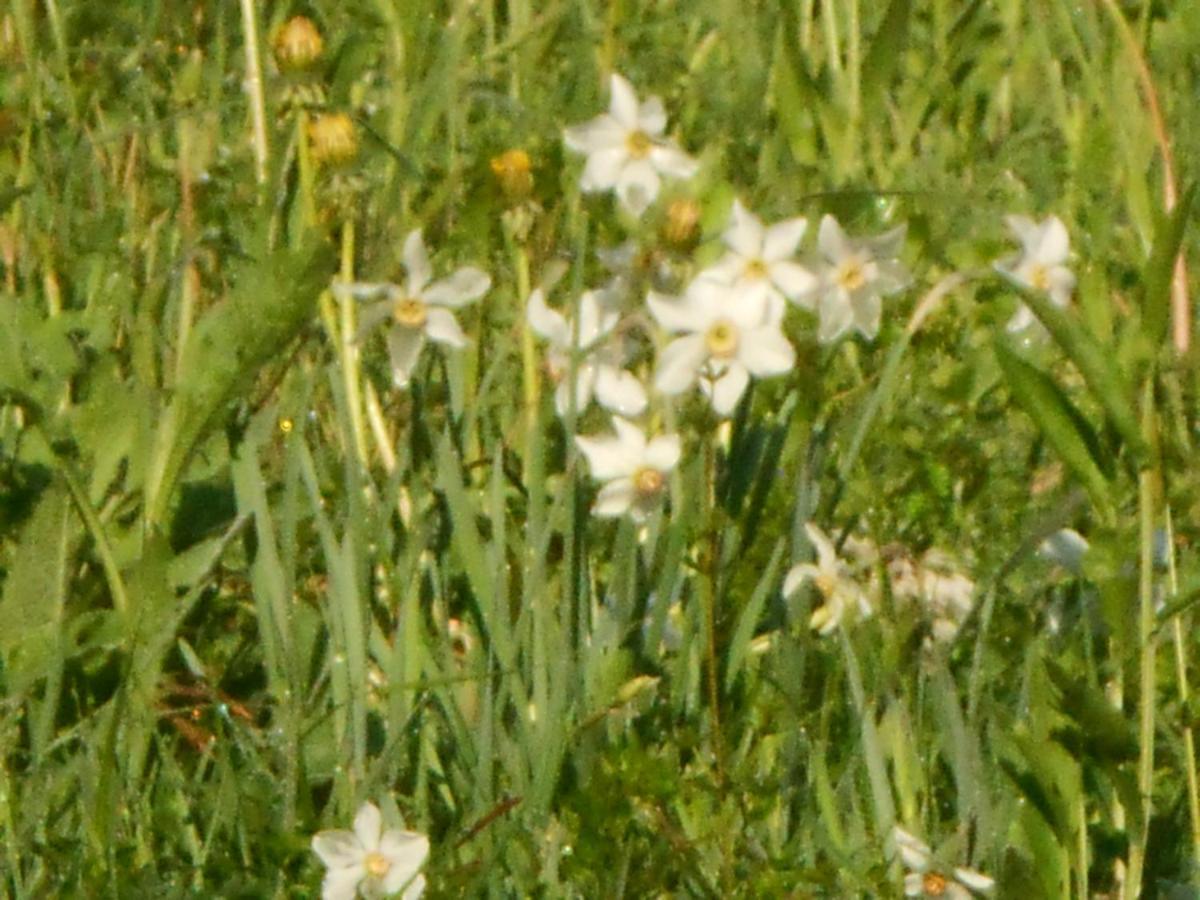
(843, 597)
(1041, 264)
(418, 309)
(370, 861)
(626, 150)
(925, 879)
(943, 593)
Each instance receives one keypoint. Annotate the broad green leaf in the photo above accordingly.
(1064, 427)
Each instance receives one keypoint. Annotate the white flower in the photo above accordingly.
(760, 260)
(728, 335)
(923, 880)
(945, 594)
(418, 309)
(371, 861)
(597, 365)
(843, 597)
(1066, 547)
(626, 151)
(635, 469)
(1045, 247)
(855, 274)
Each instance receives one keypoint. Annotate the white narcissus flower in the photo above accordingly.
(855, 274)
(371, 861)
(843, 598)
(923, 880)
(418, 309)
(635, 470)
(1045, 247)
(626, 150)
(597, 367)
(727, 336)
(760, 260)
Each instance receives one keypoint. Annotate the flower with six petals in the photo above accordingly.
(924, 880)
(727, 335)
(419, 309)
(843, 597)
(633, 468)
(626, 150)
(855, 274)
(1045, 247)
(371, 861)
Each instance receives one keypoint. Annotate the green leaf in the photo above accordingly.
(1160, 268)
(1097, 365)
(886, 49)
(1064, 427)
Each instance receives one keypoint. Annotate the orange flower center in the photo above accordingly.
(934, 884)
(410, 312)
(376, 864)
(648, 483)
(722, 338)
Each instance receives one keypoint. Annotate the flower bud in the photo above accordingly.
(333, 139)
(681, 230)
(298, 44)
(512, 171)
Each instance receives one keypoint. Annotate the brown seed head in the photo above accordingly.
(298, 44)
(681, 230)
(333, 138)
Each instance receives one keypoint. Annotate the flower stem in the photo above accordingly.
(254, 87)
(351, 368)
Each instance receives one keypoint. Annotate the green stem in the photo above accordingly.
(1181, 669)
(351, 367)
(881, 795)
(254, 87)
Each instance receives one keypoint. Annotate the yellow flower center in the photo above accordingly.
(638, 144)
(1039, 277)
(512, 171)
(722, 338)
(934, 884)
(826, 585)
(851, 274)
(755, 269)
(410, 312)
(648, 483)
(376, 864)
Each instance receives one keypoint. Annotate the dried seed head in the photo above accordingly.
(512, 171)
(681, 230)
(333, 139)
(298, 44)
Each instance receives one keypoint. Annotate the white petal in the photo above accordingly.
(338, 849)
(1021, 319)
(954, 891)
(1025, 230)
(603, 169)
(632, 438)
(1054, 245)
(607, 457)
(372, 317)
(443, 328)
(765, 351)
(663, 452)
(614, 499)
(867, 311)
(638, 185)
(976, 881)
(798, 575)
(585, 378)
(652, 118)
(783, 238)
(676, 313)
(891, 276)
(596, 318)
(406, 851)
(744, 235)
(889, 244)
(624, 103)
(465, 285)
(342, 884)
(914, 884)
(673, 162)
(836, 316)
(678, 364)
(797, 283)
(914, 851)
(832, 241)
(726, 270)
(619, 391)
(404, 349)
(1062, 284)
(362, 290)
(601, 133)
(416, 263)
(826, 555)
(547, 322)
(727, 390)
(368, 825)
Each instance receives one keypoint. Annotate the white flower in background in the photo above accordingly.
(843, 597)
(760, 260)
(923, 880)
(371, 861)
(418, 309)
(1066, 547)
(597, 366)
(855, 274)
(635, 470)
(1039, 266)
(728, 335)
(626, 150)
(945, 594)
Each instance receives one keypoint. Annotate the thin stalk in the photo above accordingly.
(351, 366)
(1181, 664)
(254, 87)
(1147, 643)
(881, 795)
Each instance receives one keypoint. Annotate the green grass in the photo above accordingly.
(248, 585)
